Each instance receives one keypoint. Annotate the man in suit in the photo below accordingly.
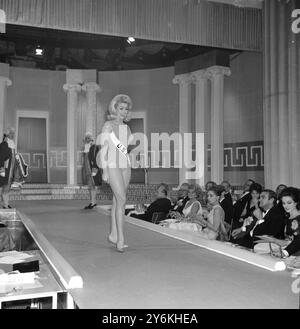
(182, 198)
(226, 202)
(161, 204)
(241, 203)
(268, 219)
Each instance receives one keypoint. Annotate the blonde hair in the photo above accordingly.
(197, 189)
(10, 130)
(88, 136)
(112, 109)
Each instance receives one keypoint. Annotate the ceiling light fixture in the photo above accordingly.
(130, 40)
(39, 51)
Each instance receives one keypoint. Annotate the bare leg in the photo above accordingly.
(5, 195)
(119, 190)
(113, 237)
(126, 176)
(93, 195)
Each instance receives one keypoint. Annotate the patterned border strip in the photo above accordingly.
(246, 156)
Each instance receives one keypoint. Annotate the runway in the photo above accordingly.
(156, 271)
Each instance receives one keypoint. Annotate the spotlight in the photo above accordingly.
(130, 40)
(39, 51)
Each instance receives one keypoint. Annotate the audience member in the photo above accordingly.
(241, 203)
(226, 202)
(267, 219)
(252, 204)
(162, 204)
(208, 186)
(279, 189)
(290, 198)
(214, 227)
(182, 198)
(193, 206)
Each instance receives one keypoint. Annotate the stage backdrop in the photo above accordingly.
(155, 99)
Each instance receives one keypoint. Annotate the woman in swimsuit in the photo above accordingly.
(114, 139)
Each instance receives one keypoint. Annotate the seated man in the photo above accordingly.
(226, 202)
(161, 204)
(241, 203)
(270, 221)
(181, 201)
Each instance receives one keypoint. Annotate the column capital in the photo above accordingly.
(216, 70)
(182, 78)
(6, 81)
(285, 2)
(199, 75)
(72, 87)
(91, 86)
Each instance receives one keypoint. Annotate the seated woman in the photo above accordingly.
(214, 227)
(290, 198)
(192, 207)
(255, 191)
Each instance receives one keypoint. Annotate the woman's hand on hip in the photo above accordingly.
(105, 176)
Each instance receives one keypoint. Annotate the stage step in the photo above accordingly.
(136, 192)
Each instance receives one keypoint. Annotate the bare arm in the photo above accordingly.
(216, 220)
(102, 141)
(195, 208)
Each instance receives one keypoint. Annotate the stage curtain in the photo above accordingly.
(186, 21)
(281, 95)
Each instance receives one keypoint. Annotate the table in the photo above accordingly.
(44, 286)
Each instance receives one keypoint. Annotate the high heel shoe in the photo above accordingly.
(117, 244)
(121, 247)
(90, 206)
(109, 239)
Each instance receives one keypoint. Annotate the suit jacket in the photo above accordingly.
(180, 208)
(273, 225)
(238, 208)
(227, 206)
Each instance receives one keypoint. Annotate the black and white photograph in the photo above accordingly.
(149, 157)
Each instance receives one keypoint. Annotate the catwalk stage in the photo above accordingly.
(156, 271)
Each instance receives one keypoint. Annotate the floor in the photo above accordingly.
(156, 271)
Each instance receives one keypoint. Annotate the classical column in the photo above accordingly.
(200, 79)
(91, 89)
(4, 83)
(72, 90)
(184, 82)
(216, 74)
